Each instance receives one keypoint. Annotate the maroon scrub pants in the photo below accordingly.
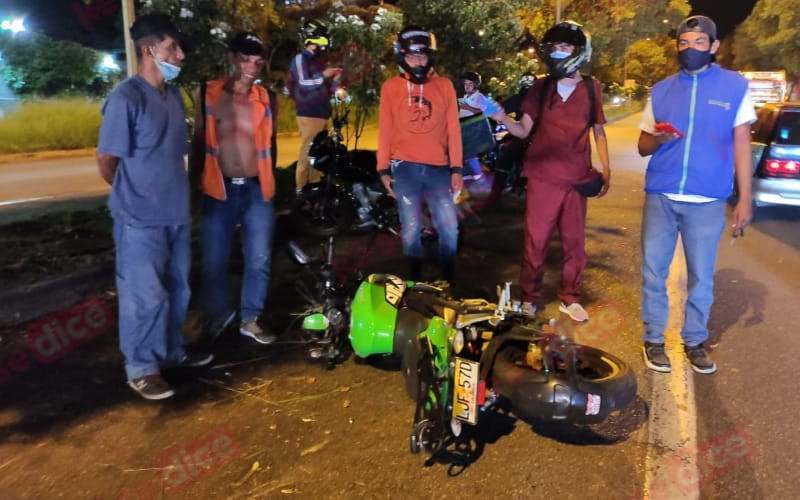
(551, 206)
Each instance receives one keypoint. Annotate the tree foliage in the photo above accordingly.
(767, 39)
(363, 41)
(470, 34)
(614, 26)
(36, 64)
(648, 62)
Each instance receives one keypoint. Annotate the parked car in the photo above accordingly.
(775, 143)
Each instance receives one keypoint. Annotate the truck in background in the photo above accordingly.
(767, 86)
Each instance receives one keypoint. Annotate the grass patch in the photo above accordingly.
(51, 124)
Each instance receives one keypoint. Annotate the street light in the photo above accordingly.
(15, 25)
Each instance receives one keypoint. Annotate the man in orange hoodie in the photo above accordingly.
(419, 149)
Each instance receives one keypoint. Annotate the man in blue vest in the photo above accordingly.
(697, 127)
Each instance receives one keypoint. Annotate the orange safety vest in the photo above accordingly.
(212, 182)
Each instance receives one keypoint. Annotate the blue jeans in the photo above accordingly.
(246, 206)
(413, 184)
(700, 226)
(153, 290)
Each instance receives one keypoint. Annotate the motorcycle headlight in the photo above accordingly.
(458, 342)
(335, 317)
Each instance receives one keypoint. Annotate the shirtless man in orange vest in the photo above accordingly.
(238, 187)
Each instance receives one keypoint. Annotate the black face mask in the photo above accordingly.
(692, 59)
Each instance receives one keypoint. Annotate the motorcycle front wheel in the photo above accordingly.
(602, 383)
(321, 211)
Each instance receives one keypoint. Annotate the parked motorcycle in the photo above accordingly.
(460, 357)
(350, 189)
(505, 162)
(351, 193)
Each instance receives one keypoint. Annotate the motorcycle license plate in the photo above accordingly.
(465, 391)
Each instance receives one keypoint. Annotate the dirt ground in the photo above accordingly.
(261, 421)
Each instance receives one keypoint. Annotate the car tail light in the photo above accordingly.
(782, 168)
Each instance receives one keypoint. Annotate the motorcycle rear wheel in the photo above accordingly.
(535, 394)
(320, 213)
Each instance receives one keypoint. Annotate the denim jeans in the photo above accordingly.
(246, 206)
(413, 184)
(153, 289)
(700, 226)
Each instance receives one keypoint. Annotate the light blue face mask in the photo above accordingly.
(559, 54)
(168, 71)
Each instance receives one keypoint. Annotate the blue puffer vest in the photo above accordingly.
(704, 108)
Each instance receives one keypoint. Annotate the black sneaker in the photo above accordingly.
(152, 387)
(699, 359)
(195, 359)
(253, 330)
(655, 357)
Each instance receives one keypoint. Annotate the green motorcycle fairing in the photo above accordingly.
(439, 335)
(316, 322)
(373, 314)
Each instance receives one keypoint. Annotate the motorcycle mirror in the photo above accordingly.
(296, 253)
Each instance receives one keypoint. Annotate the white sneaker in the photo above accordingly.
(575, 311)
(253, 330)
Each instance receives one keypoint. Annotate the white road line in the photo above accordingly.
(671, 470)
(20, 201)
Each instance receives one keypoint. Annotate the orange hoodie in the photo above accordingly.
(212, 181)
(419, 123)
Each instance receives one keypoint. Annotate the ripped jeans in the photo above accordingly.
(244, 205)
(415, 183)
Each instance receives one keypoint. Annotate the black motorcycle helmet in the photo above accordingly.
(472, 76)
(415, 40)
(565, 32)
(316, 33)
(526, 80)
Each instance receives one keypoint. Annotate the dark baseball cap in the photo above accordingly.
(158, 25)
(247, 43)
(698, 24)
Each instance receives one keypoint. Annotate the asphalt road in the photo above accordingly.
(344, 434)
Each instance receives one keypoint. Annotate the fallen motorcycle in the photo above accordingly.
(460, 357)
(325, 319)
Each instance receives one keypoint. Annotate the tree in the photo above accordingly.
(37, 64)
(647, 61)
(767, 39)
(470, 34)
(363, 42)
(616, 24)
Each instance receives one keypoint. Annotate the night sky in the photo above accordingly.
(69, 19)
(727, 14)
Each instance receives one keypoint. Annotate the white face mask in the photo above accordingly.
(559, 54)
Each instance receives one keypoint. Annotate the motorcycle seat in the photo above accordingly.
(430, 304)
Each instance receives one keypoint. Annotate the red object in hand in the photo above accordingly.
(668, 128)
